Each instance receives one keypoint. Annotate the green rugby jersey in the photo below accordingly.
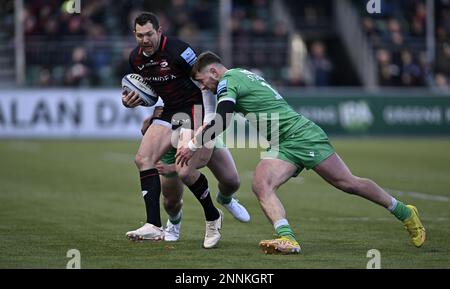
(259, 103)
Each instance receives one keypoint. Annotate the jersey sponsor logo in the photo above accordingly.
(161, 78)
(164, 65)
(189, 56)
(222, 87)
(151, 63)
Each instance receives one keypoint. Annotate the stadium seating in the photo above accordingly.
(100, 38)
(397, 36)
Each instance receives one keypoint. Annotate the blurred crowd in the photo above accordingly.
(398, 37)
(442, 65)
(259, 42)
(92, 48)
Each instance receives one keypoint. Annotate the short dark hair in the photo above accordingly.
(204, 59)
(145, 17)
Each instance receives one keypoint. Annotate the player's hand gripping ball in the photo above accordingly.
(135, 82)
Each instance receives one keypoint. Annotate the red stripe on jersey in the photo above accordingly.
(140, 50)
(151, 175)
(164, 43)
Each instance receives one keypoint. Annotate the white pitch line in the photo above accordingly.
(367, 219)
(416, 195)
(422, 196)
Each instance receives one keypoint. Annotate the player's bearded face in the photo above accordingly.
(207, 81)
(147, 37)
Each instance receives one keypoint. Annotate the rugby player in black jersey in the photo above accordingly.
(165, 63)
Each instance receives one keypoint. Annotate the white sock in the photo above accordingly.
(281, 222)
(393, 205)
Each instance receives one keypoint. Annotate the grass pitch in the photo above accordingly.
(84, 195)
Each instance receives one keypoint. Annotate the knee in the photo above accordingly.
(260, 188)
(185, 175)
(143, 161)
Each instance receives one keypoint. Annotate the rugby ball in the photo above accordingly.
(135, 82)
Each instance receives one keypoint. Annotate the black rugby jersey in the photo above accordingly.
(168, 72)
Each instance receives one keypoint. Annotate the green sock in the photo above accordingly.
(285, 231)
(401, 211)
(177, 219)
(224, 200)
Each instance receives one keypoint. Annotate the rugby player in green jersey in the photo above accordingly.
(295, 142)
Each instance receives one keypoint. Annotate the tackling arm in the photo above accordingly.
(217, 125)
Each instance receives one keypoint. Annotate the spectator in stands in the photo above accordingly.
(441, 35)
(79, 70)
(417, 29)
(441, 82)
(319, 64)
(99, 55)
(388, 73)
(417, 22)
(241, 36)
(372, 33)
(29, 22)
(259, 9)
(411, 74)
(179, 15)
(443, 65)
(75, 29)
(202, 14)
(45, 78)
(259, 36)
(393, 27)
(311, 15)
(279, 46)
(188, 32)
(51, 30)
(123, 66)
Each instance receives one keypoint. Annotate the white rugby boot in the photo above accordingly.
(147, 232)
(172, 232)
(212, 235)
(238, 211)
